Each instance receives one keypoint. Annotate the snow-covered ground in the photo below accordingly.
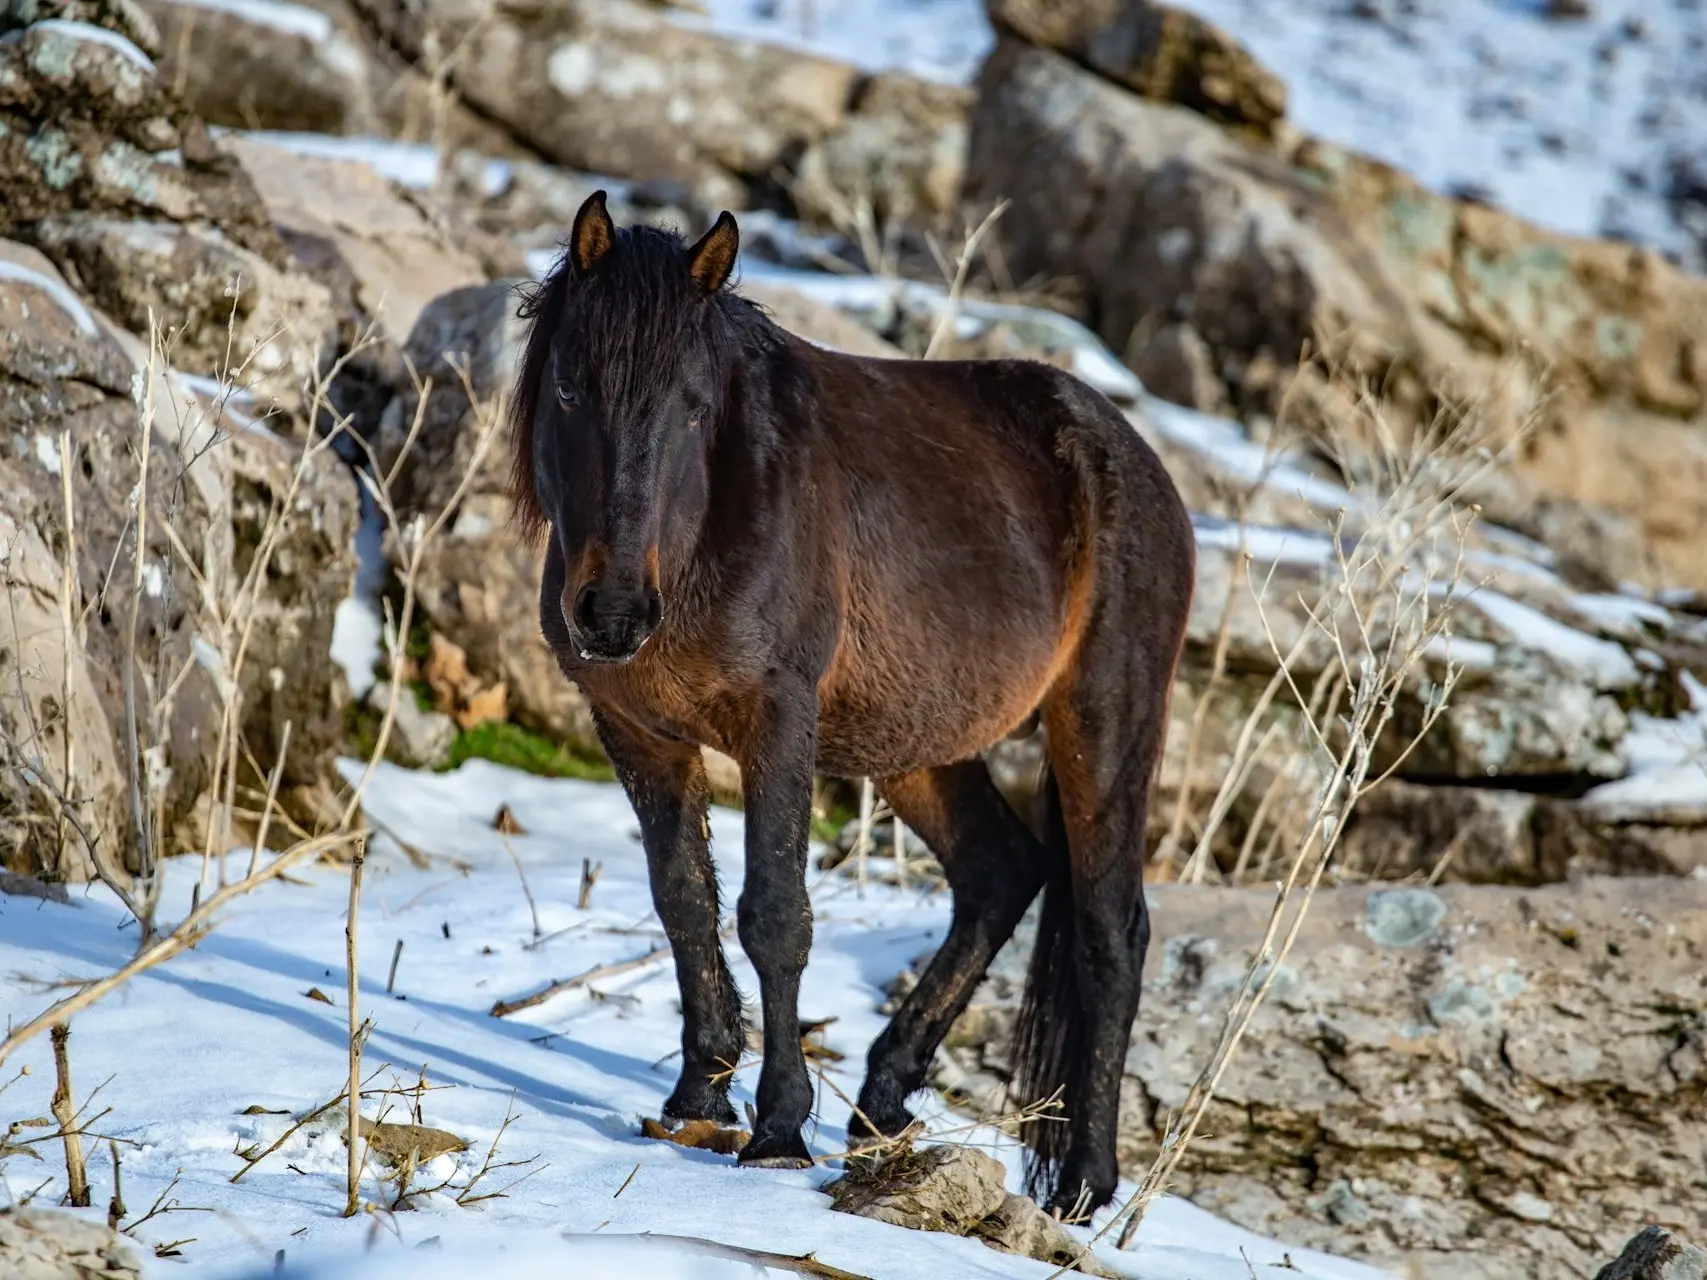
(185, 1054)
(1592, 126)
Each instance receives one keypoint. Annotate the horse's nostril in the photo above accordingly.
(654, 608)
(585, 599)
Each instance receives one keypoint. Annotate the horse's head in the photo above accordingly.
(620, 393)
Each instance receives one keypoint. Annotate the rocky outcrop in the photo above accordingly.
(104, 171)
(1480, 1082)
(1198, 249)
(219, 489)
(395, 255)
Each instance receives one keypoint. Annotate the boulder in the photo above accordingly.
(1475, 1081)
(397, 257)
(219, 489)
(53, 1244)
(649, 98)
(310, 68)
(1168, 222)
(1157, 51)
(901, 149)
(90, 129)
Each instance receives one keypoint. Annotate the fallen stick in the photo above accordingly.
(803, 1264)
(504, 1008)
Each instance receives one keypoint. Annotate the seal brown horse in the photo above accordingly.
(817, 562)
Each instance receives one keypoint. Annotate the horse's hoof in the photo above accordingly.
(774, 1162)
(787, 1152)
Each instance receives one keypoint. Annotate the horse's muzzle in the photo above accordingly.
(609, 623)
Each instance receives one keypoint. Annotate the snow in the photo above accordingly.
(409, 164)
(89, 33)
(288, 19)
(1580, 125)
(63, 298)
(1665, 760)
(185, 1050)
(1607, 665)
(1594, 127)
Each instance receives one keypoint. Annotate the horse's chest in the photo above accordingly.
(675, 699)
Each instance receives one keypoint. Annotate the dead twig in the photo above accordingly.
(504, 1008)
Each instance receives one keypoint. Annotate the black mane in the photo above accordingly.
(638, 297)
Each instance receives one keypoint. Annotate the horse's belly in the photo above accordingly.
(886, 713)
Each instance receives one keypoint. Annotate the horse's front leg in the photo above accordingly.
(775, 915)
(665, 782)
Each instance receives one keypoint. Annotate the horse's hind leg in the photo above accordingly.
(1106, 722)
(995, 867)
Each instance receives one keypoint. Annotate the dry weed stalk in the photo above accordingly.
(352, 930)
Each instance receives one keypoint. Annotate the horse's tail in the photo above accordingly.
(1050, 1033)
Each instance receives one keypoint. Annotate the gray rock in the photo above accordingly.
(422, 737)
(1480, 1081)
(50, 1244)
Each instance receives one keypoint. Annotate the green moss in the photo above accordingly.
(519, 748)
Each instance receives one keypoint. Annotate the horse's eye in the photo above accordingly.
(696, 419)
(566, 395)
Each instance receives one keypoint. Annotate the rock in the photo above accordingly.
(422, 737)
(1165, 219)
(1656, 1254)
(1481, 1081)
(89, 129)
(397, 258)
(224, 311)
(1177, 365)
(730, 110)
(1157, 51)
(311, 68)
(946, 1188)
(53, 1244)
(64, 368)
(902, 148)
(1019, 1226)
(401, 1144)
(960, 1191)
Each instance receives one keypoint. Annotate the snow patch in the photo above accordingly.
(410, 164)
(194, 1044)
(67, 301)
(1607, 665)
(88, 32)
(287, 19)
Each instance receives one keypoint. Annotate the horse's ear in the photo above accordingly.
(713, 256)
(592, 235)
